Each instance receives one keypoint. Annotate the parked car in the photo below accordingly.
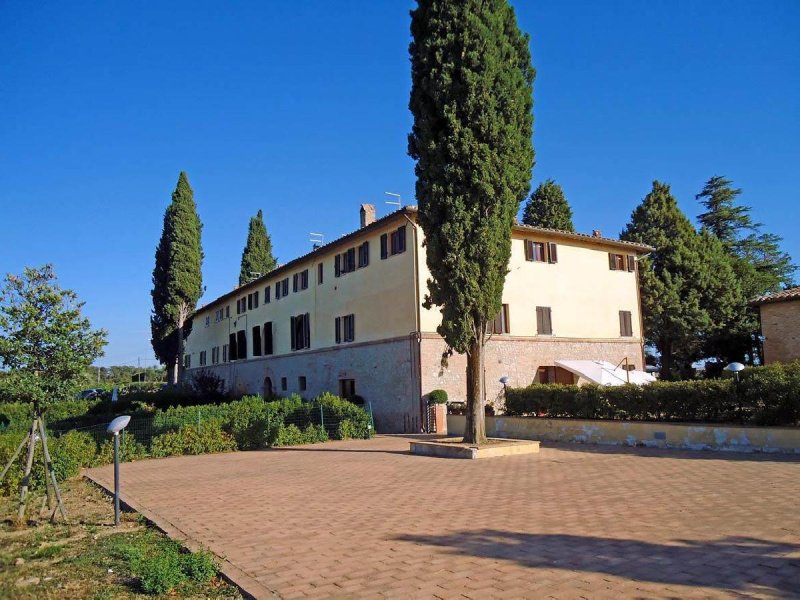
(90, 394)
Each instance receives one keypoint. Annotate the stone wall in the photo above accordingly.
(780, 324)
(385, 373)
(518, 358)
(689, 436)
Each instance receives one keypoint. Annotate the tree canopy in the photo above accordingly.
(548, 207)
(471, 98)
(177, 276)
(759, 265)
(689, 291)
(45, 342)
(257, 258)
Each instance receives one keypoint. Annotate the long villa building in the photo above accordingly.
(348, 318)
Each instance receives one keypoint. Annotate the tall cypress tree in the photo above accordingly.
(177, 278)
(687, 284)
(548, 207)
(257, 254)
(471, 98)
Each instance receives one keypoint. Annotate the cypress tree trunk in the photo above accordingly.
(475, 428)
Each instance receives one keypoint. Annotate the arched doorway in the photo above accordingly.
(267, 388)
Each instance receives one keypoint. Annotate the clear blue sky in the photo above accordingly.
(301, 109)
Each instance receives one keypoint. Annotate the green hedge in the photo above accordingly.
(245, 424)
(763, 396)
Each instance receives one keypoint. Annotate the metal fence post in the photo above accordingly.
(321, 416)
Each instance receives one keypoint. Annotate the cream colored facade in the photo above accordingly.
(395, 359)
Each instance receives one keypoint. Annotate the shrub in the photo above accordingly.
(70, 453)
(292, 435)
(208, 385)
(193, 439)
(764, 396)
(161, 572)
(247, 421)
(129, 450)
(200, 566)
(437, 397)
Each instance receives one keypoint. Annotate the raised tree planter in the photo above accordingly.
(455, 448)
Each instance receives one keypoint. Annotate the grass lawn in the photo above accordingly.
(89, 558)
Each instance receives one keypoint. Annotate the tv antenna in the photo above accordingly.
(317, 240)
(398, 203)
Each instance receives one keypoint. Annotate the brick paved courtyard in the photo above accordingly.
(366, 519)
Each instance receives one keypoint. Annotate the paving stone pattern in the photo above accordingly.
(367, 519)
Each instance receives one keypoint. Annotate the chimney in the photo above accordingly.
(596, 233)
(367, 214)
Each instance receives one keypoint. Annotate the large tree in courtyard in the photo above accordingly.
(257, 256)
(760, 266)
(46, 344)
(177, 278)
(471, 98)
(689, 292)
(548, 207)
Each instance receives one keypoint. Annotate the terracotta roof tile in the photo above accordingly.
(790, 294)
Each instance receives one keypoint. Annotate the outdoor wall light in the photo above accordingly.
(114, 428)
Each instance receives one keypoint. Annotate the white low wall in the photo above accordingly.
(690, 436)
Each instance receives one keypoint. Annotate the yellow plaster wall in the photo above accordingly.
(584, 295)
(379, 295)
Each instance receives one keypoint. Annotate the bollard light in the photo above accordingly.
(735, 367)
(114, 428)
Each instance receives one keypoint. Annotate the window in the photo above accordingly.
(300, 327)
(625, 324)
(238, 307)
(544, 324)
(208, 320)
(187, 361)
(398, 240)
(256, 341)
(541, 251)
(363, 255)
(384, 246)
(285, 285)
(345, 328)
(621, 262)
(320, 273)
(295, 281)
(225, 353)
(214, 355)
(347, 388)
(249, 301)
(267, 291)
(232, 345)
(228, 311)
(337, 265)
(255, 299)
(500, 323)
(202, 358)
(301, 383)
(278, 290)
(268, 338)
(283, 384)
(241, 345)
(304, 279)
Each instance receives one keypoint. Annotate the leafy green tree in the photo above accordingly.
(257, 254)
(687, 283)
(760, 266)
(547, 207)
(471, 98)
(45, 342)
(177, 278)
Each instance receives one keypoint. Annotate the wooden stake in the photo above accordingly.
(51, 472)
(23, 491)
(16, 454)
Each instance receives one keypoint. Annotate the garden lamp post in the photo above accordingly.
(735, 367)
(114, 428)
(504, 381)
